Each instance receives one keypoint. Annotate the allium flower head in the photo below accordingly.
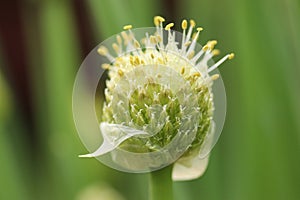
(159, 103)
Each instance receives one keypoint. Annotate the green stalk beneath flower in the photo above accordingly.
(161, 184)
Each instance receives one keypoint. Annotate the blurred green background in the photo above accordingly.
(42, 44)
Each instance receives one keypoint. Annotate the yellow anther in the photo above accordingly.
(211, 44)
(127, 27)
(120, 72)
(119, 61)
(124, 35)
(196, 74)
(158, 20)
(184, 24)
(119, 39)
(160, 61)
(182, 70)
(105, 66)
(205, 47)
(187, 43)
(215, 52)
(116, 47)
(231, 56)
(136, 61)
(191, 55)
(169, 26)
(102, 50)
(199, 29)
(158, 38)
(192, 23)
(136, 44)
(215, 77)
(152, 56)
(143, 40)
(153, 39)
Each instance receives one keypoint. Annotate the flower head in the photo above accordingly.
(159, 104)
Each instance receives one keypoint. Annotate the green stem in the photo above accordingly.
(161, 184)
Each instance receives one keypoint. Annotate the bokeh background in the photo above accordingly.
(42, 44)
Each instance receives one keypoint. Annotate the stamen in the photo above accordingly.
(158, 20)
(215, 77)
(228, 56)
(105, 66)
(102, 50)
(198, 55)
(216, 52)
(153, 39)
(211, 44)
(127, 27)
(192, 23)
(125, 37)
(187, 43)
(184, 27)
(136, 44)
(231, 56)
(116, 48)
(184, 24)
(199, 29)
(137, 61)
(158, 38)
(169, 26)
(192, 47)
(120, 72)
(144, 41)
(182, 70)
(205, 47)
(191, 54)
(119, 39)
(196, 74)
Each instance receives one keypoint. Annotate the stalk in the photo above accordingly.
(161, 184)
